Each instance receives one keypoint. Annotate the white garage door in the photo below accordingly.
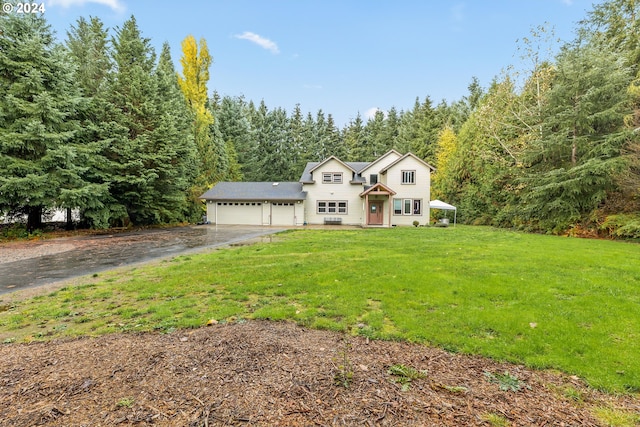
(283, 213)
(245, 213)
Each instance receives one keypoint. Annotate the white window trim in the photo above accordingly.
(336, 207)
(413, 175)
(403, 205)
(332, 177)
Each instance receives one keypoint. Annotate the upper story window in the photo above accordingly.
(332, 177)
(408, 177)
(373, 179)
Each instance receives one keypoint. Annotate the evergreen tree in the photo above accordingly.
(320, 139)
(38, 121)
(418, 131)
(174, 147)
(576, 161)
(312, 153)
(334, 143)
(235, 129)
(355, 140)
(275, 157)
(376, 137)
(89, 51)
(139, 154)
(392, 129)
(298, 143)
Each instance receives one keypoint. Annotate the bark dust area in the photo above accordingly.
(261, 373)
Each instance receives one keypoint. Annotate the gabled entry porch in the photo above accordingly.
(377, 205)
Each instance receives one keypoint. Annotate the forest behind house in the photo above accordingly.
(104, 125)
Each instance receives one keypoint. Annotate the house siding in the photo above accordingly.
(420, 190)
(344, 191)
(296, 203)
(256, 213)
(379, 165)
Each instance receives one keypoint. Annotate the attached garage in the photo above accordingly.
(255, 203)
(243, 213)
(283, 213)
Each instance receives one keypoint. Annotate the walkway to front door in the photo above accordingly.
(375, 212)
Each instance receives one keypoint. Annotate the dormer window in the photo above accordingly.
(332, 177)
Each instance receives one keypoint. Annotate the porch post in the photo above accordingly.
(366, 209)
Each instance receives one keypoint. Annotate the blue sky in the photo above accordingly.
(344, 57)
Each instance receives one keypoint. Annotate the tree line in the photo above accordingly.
(101, 124)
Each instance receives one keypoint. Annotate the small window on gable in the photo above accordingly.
(408, 177)
(332, 177)
(373, 179)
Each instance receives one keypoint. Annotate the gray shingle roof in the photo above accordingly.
(356, 166)
(255, 191)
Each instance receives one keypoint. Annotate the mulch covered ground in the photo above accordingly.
(272, 374)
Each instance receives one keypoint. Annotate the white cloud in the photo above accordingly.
(259, 40)
(116, 5)
(371, 112)
(567, 2)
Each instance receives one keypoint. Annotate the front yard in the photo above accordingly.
(546, 302)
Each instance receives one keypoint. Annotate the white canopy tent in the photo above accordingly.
(438, 204)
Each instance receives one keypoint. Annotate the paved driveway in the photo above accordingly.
(28, 265)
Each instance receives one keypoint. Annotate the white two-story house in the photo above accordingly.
(392, 190)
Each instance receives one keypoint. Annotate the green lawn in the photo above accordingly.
(545, 301)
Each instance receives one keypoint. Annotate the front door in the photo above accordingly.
(375, 212)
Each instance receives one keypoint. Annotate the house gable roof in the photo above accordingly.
(378, 188)
(327, 160)
(431, 168)
(254, 191)
(387, 154)
(307, 176)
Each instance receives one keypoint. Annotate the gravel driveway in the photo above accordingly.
(26, 265)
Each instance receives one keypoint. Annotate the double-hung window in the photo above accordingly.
(407, 206)
(408, 177)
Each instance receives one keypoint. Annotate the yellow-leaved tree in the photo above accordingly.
(443, 180)
(196, 61)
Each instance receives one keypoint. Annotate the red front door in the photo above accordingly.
(375, 212)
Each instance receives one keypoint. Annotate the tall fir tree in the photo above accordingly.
(174, 146)
(38, 123)
(335, 145)
(376, 132)
(235, 128)
(576, 161)
(355, 139)
(88, 46)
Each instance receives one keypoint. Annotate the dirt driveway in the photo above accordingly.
(25, 265)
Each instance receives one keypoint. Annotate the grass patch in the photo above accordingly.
(544, 301)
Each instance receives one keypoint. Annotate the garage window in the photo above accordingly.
(239, 204)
